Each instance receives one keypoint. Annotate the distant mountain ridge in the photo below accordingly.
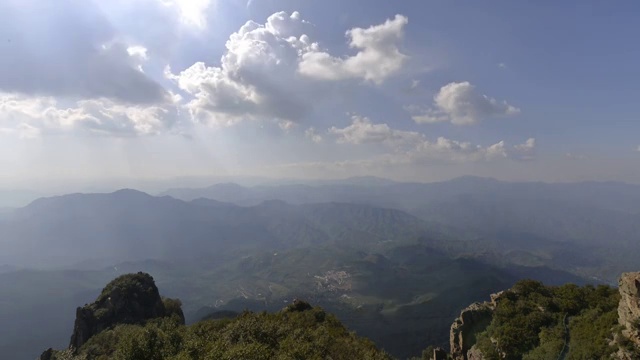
(132, 225)
(407, 195)
(598, 220)
(400, 276)
(394, 261)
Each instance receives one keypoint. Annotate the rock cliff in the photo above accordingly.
(629, 308)
(129, 299)
(472, 320)
(475, 319)
(629, 314)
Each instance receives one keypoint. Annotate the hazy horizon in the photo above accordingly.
(154, 185)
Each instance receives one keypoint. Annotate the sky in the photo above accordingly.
(410, 90)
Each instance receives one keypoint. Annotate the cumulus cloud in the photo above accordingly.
(266, 71)
(257, 77)
(461, 104)
(378, 55)
(69, 50)
(414, 147)
(139, 52)
(313, 135)
(32, 116)
(363, 131)
(527, 146)
(444, 149)
(286, 125)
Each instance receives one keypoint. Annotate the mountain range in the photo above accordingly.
(394, 261)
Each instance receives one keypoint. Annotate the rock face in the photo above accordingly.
(629, 307)
(473, 320)
(474, 354)
(129, 299)
(439, 354)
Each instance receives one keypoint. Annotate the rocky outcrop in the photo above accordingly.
(129, 299)
(629, 307)
(439, 354)
(472, 321)
(474, 354)
(629, 317)
(475, 319)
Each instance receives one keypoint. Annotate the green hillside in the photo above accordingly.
(536, 322)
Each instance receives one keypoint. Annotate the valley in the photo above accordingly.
(394, 275)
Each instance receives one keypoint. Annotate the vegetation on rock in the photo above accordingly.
(532, 321)
(299, 331)
(129, 299)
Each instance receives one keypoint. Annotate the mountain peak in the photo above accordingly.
(128, 299)
(130, 193)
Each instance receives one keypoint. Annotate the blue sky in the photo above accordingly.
(411, 90)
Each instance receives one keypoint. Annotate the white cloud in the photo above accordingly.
(262, 73)
(461, 104)
(378, 55)
(138, 51)
(313, 135)
(257, 76)
(286, 125)
(526, 150)
(192, 12)
(528, 145)
(502, 65)
(31, 116)
(414, 147)
(444, 149)
(427, 116)
(363, 131)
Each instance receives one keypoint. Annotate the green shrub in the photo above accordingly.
(528, 322)
(297, 333)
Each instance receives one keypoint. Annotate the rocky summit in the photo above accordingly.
(128, 299)
(129, 320)
(629, 308)
(472, 320)
(571, 321)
